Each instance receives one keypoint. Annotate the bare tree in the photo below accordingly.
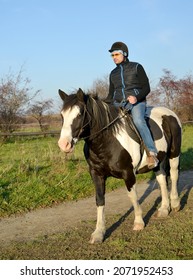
(100, 87)
(176, 94)
(168, 87)
(15, 95)
(185, 98)
(39, 109)
(153, 98)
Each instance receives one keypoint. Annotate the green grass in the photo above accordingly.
(186, 160)
(34, 173)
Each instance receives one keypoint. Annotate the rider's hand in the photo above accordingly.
(132, 99)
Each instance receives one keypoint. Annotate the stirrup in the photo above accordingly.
(152, 161)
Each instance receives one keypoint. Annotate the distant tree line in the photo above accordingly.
(17, 98)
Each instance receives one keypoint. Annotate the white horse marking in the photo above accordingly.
(175, 201)
(131, 146)
(66, 131)
(68, 117)
(98, 234)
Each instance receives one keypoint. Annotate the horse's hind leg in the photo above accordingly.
(164, 209)
(175, 201)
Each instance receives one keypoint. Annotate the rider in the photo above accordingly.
(128, 88)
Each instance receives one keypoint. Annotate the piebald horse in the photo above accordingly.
(112, 149)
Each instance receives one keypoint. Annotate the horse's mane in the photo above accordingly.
(102, 113)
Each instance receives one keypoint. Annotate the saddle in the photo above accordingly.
(133, 132)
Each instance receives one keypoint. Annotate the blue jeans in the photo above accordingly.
(138, 112)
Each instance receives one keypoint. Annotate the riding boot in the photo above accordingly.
(152, 160)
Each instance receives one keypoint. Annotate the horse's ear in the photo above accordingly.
(62, 94)
(81, 95)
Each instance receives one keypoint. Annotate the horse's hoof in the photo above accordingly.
(138, 226)
(96, 238)
(161, 213)
(176, 209)
(94, 241)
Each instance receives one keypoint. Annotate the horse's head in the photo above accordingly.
(73, 115)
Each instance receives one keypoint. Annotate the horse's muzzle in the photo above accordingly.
(65, 145)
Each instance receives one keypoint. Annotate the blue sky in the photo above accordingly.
(64, 44)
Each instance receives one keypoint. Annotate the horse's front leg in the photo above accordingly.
(138, 221)
(130, 184)
(99, 181)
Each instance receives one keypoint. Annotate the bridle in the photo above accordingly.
(82, 123)
(92, 136)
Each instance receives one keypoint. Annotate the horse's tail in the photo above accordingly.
(176, 136)
(174, 148)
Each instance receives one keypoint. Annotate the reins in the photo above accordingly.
(93, 135)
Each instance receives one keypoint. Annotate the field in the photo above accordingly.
(35, 174)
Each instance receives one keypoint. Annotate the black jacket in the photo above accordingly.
(128, 78)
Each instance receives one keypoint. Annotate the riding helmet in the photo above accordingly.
(120, 46)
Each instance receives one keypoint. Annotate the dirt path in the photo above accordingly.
(57, 219)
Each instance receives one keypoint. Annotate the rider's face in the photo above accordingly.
(117, 57)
